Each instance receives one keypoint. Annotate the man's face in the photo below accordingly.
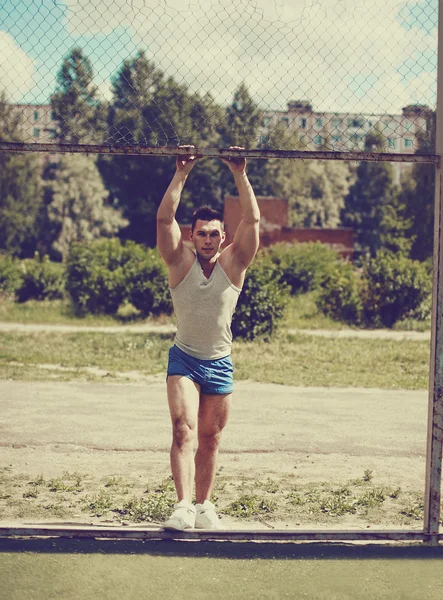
(207, 237)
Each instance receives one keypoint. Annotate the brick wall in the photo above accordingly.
(274, 226)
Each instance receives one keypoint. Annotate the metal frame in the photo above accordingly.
(430, 533)
(22, 147)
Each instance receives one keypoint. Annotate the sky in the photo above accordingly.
(368, 56)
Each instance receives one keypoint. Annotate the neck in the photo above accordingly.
(207, 264)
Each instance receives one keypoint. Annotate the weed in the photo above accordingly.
(99, 503)
(372, 498)
(248, 506)
(415, 510)
(395, 493)
(156, 507)
(368, 476)
(39, 481)
(30, 494)
(296, 499)
(167, 485)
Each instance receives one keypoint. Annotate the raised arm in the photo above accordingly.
(246, 239)
(169, 239)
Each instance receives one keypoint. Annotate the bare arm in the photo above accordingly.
(246, 239)
(169, 239)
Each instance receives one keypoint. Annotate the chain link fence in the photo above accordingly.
(338, 76)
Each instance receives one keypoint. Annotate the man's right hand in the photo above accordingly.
(185, 162)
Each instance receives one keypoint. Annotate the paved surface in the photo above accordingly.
(147, 328)
(108, 428)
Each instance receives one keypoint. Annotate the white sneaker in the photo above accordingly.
(206, 517)
(182, 518)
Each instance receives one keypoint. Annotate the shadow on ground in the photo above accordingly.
(232, 550)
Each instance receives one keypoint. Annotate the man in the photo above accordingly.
(205, 287)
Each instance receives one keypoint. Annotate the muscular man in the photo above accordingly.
(205, 287)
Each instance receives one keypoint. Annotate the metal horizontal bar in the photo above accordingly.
(19, 147)
(73, 531)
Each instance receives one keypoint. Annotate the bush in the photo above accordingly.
(303, 267)
(261, 303)
(95, 275)
(340, 294)
(396, 287)
(11, 275)
(148, 283)
(41, 280)
(103, 274)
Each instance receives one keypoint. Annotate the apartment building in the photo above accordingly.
(344, 132)
(38, 122)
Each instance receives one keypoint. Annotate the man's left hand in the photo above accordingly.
(236, 165)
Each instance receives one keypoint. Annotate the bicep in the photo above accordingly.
(246, 242)
(169, 241)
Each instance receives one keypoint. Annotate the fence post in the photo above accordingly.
(435, 407)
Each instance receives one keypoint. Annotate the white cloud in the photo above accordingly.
(343, 55)
(16, 68)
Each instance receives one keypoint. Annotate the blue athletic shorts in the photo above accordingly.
(213, 376)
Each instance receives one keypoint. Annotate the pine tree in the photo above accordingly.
(372, 207)
(151, 109)
(417, 193)
(77, 209)
(20, 189)
(80, 116)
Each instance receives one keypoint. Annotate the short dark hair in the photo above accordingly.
(206, 213)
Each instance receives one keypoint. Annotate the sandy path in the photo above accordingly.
(315, 433)
(148, 328)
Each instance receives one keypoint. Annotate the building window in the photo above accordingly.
(285, 121)
(302, 138)
(318, 140)
(335, 122)
(52, 133)
(356, 123)
(266, 121)
(36, 132)
(36, 115)
(407, 125)
(319, 122)
(336, 138)
(408, 143)
(391, 143)
(303, 123)
(52, 115)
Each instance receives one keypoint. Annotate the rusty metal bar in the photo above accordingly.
(54, 148)
(435, 406)
(140, 533)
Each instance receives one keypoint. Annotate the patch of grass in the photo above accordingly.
(302, 313)
(414, 508)
(301, 360)
(154, 507)
(69, 482)
(249, 505)
(111, 352)
(305, 360)
(61, 312)
(99, 503)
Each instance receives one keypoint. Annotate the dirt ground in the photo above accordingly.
(307, 434)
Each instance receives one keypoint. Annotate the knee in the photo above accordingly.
(209, 442)
(182, 434)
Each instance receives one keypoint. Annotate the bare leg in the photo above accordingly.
(212, 418)
(183, 399)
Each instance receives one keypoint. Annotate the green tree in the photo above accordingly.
(81, 117)
(20, 189)
(240, 126)
(417, 194)
(77, 209)
(372, 207)
(150, 109)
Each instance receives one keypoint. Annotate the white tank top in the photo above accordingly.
(204, 309)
